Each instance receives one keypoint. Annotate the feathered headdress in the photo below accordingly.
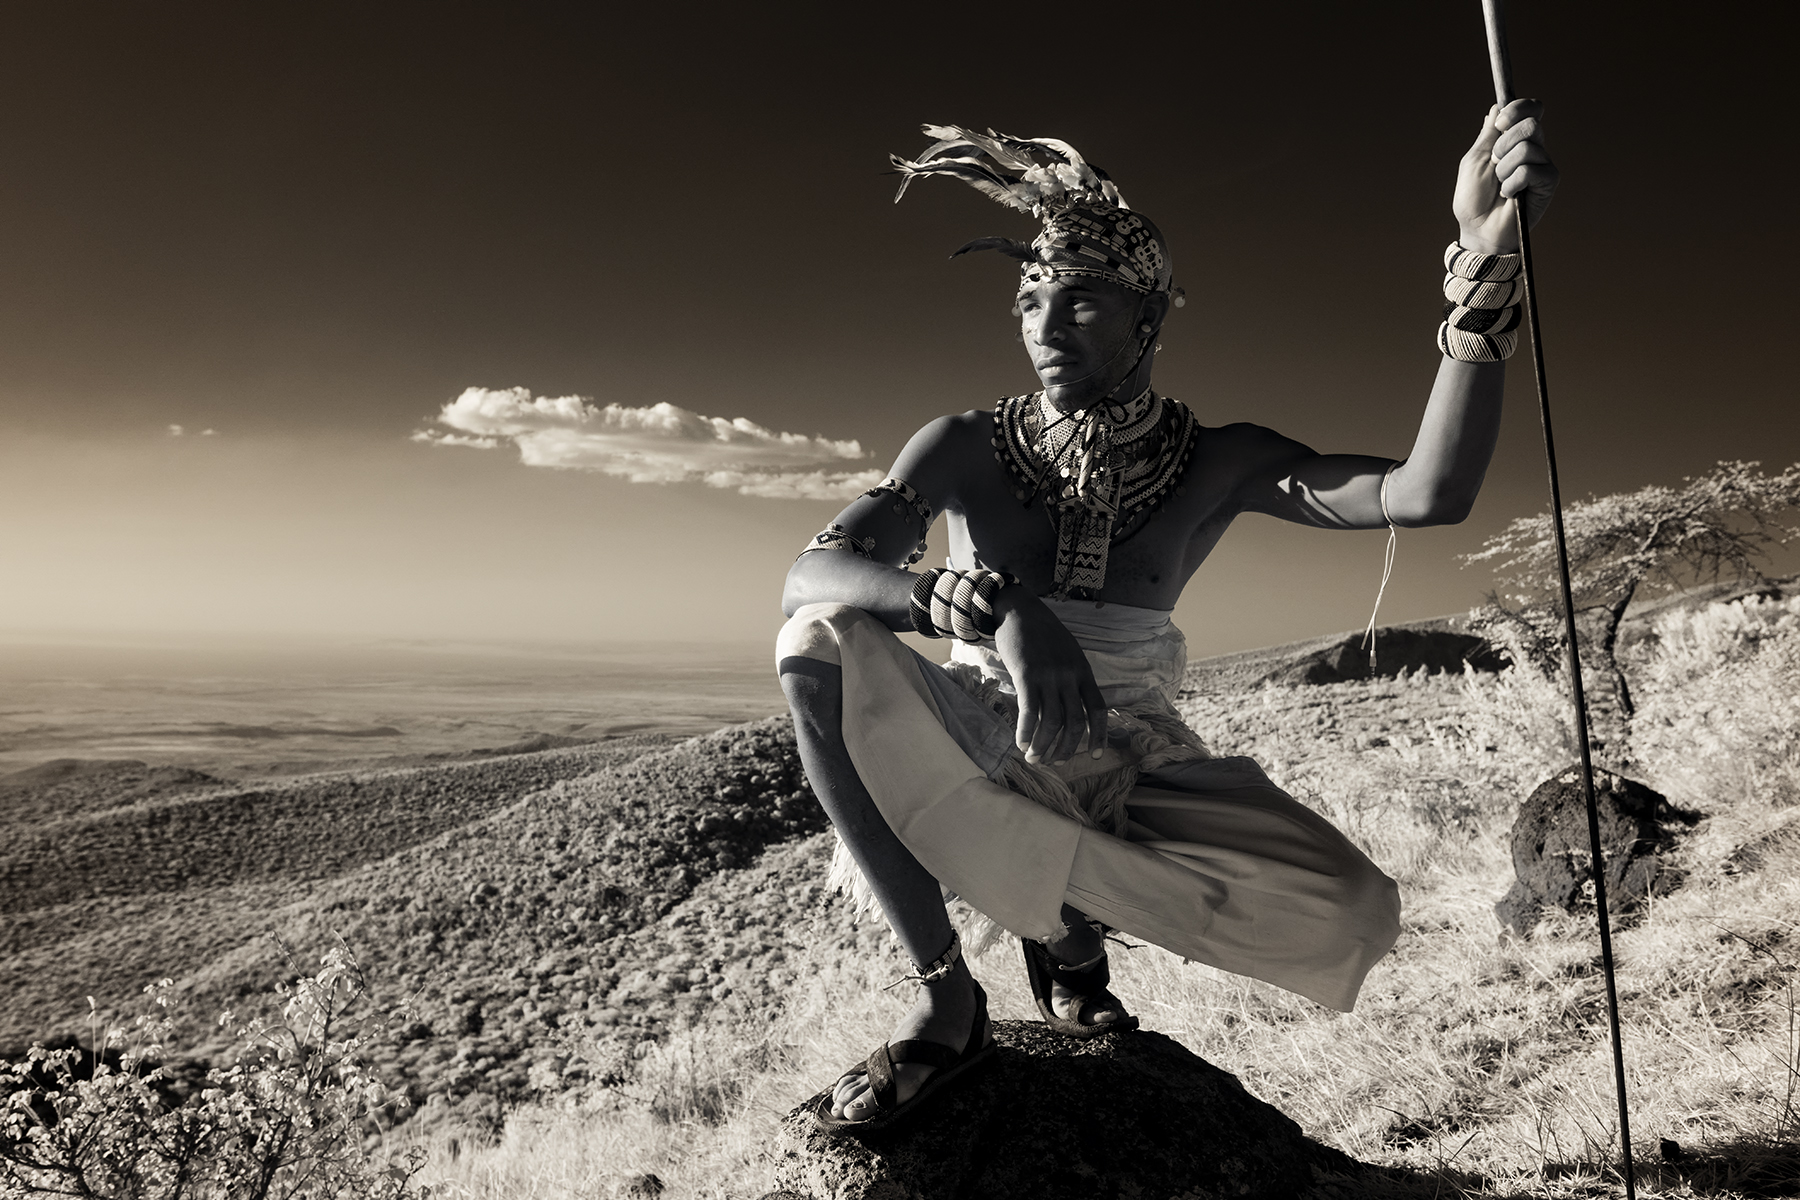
(1034, 175)
(1088, 227)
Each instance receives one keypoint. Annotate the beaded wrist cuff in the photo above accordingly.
(957, 604)
(920, 608)
(1490, 321)
(1483, 315)
(1476, 347)
(1469, 264)
(1472, 293)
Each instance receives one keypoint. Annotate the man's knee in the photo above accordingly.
(812, 633)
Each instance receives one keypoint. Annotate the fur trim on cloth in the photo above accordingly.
(1141, 739)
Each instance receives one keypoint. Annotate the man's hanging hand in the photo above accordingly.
(1059, 702)
(1506, 161)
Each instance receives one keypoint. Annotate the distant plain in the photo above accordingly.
(278, 707)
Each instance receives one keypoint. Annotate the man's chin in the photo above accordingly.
(1069, 396)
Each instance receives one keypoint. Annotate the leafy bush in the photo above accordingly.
(1720, 525)
(1722, 707)
(288, 1119)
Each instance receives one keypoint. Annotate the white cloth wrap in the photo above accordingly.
(1216, 864)
(1137, 653)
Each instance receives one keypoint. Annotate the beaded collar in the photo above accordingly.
(1097, 469)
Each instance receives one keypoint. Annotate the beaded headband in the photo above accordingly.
(1088, 228)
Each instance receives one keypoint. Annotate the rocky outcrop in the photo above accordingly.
(1552, 860)
(1397, 649)
(1051, 1118)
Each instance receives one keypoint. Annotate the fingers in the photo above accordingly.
(1483, 147)
(1031, 713)
(1053, 721)
(1539, 175)
(1075, 726)
(1517, 111)
(1043, 736)
(1096, 720)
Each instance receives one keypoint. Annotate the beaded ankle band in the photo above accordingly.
(938, 967)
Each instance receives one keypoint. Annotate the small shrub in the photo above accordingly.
(1722, 707)
(288, 1118)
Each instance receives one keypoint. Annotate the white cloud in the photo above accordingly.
(176, 431)
(657, 444)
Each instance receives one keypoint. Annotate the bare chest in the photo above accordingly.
(1147, 567)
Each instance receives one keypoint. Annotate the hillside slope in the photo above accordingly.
(524, 901)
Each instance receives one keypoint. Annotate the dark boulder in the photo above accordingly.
(1552, 861)
(1397, 649)
(1051, 1118)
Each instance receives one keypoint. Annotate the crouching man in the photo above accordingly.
(1044, 776)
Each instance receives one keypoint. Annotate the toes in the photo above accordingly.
(850, 1091)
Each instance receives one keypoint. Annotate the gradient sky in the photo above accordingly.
(308, 228)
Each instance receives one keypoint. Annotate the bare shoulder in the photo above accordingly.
(939, 457)
(1256, 441)
(1244, 453)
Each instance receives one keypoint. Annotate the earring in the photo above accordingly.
(1145, 327)
(1159, 345)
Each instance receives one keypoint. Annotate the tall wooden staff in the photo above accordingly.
(1494, 13)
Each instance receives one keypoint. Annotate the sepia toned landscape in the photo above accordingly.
(620, 961)
(409, 419)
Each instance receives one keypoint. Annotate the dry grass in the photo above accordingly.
(1477, 1061)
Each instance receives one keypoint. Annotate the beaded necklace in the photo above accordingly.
(1098, 469)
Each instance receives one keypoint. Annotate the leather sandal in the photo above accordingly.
(1087, 982)
(879, 1066)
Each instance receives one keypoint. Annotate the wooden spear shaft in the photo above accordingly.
(1495, 16)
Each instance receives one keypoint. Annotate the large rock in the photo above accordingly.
(1397, 649)
(1051, 1118)
(1552, 859)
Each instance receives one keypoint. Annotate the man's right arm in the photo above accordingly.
(888, 528)
(1059, 702)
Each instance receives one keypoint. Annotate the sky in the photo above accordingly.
(536, 321)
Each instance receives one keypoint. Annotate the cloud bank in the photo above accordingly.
(658, 444)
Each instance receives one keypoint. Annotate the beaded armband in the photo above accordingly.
(957, 604)
(904, 494)
(1482, 317)
(836, 537)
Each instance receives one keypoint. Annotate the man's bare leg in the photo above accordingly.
(910, 897)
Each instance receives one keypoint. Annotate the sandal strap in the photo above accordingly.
(1092, 978)
(918, 1050)
(882, 1087)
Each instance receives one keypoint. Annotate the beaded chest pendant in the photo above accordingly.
(1098, 470)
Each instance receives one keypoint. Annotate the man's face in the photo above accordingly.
(1082, 335)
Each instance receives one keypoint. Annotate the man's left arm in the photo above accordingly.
(1437, 483)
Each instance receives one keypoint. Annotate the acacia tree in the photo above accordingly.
(1720, 525)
